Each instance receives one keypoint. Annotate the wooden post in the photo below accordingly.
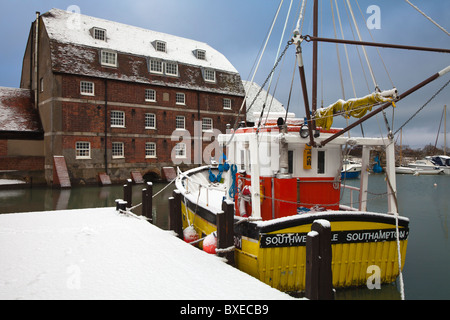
(122, 205)
(225, 230)
(147, 202)
(175, 222)
(319, 280)
(127, 192)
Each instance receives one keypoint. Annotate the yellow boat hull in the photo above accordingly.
(363, 245)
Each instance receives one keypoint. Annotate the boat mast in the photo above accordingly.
(314, 72)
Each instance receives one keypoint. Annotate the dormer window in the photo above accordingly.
(200, 54)
(109, 58)
(160, 46)
(99, 34)
(209, 75)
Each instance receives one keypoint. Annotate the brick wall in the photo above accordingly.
(22, 163)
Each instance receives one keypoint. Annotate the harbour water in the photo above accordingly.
(424, 200)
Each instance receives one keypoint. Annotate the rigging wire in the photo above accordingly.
(431, 20)
(363, 47)
(254, 73)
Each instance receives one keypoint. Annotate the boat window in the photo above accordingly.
(320, 162)
(291, 161)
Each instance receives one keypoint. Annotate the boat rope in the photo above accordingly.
(399, 256)
(225, 250)
(378, 50)
(259, 61)
(278, 52)
(431, 20)
(363, 47)
(131, 214)
(164, 188)
(420, 109)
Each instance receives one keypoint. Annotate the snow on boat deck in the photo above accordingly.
(100, 254)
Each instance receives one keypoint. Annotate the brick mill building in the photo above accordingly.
(110, 96)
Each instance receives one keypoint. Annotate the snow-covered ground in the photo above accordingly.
(101, 254)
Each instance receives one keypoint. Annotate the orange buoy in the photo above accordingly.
(210, 243)
(190, 235)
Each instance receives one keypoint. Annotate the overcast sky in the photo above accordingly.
(238, 28)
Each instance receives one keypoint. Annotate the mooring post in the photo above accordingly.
(175, 222)
(127, 192)
(147, 202)
(225, 231)
(319, 280)
(123, 205)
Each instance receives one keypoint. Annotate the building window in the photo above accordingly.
(180, 98)
(150, 150)
(210, 75)
(171, 68)
(109, 58)
(87, 88)
(150, 95)
(99, 34)
(200, 54)
(180, 150)
(227, 104)
(180, 122)
(156, 66)
(160, 46)
(207, 124)
(82, 150)
(150, 121)
(117, 150)
(118, 119)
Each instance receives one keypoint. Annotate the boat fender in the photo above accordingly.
(190, 235)
(210, 243)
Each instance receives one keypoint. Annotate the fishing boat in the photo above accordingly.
(284, 173)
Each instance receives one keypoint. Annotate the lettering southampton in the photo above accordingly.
(299, 239)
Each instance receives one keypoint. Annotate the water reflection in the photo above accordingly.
(46, 199)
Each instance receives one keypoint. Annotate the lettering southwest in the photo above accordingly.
(352, 236)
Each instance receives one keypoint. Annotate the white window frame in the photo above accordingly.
(149, 120)
(180, 98)
(156, 66)
(209, 75)
(99, 34)
(150, 95)
(150, 150)
(82, 150)
(207, 124)
(87, 88)
(200, 54)
(171, 68)
(160, 46)
(180, 123)
(106, 56)
(116, 120)
(118, 150)
(227, 104)
(180, 150)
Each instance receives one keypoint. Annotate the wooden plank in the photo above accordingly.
(60, 173)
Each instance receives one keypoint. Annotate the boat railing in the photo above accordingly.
(351, 188)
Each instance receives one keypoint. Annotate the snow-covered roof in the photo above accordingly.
(75, 50)
(251, 90)
(17, 112)
(77, 29)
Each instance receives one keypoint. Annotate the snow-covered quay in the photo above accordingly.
(101, 254)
